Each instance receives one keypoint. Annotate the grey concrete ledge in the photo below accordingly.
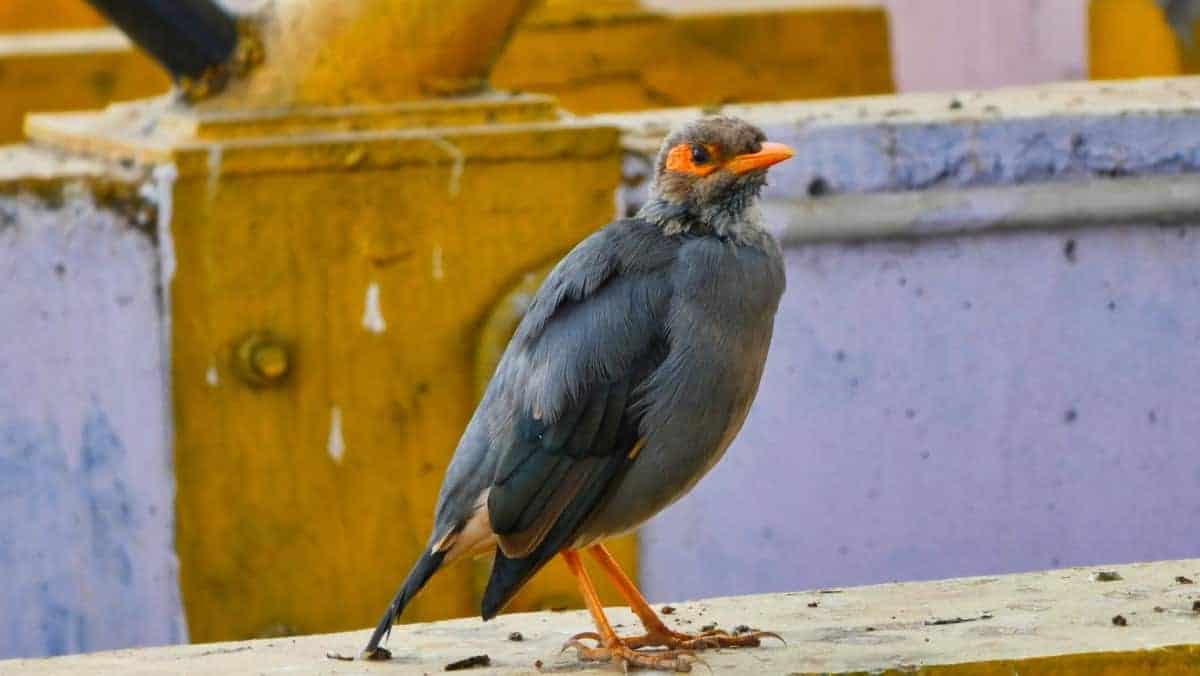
(1060, 622)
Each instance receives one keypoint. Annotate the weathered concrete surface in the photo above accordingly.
(86, 484)
(941, 406)
(1058, 622)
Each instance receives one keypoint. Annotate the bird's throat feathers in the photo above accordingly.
(736, 216)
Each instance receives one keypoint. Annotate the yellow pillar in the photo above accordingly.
(1130, 38)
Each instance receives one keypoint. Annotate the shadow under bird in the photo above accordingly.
(628, 377)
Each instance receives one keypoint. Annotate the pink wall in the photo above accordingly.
(974, 44)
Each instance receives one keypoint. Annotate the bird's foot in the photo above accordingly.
(708, 640)
(621, 653)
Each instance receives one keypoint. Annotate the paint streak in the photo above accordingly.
(162, 193)
(337, 443)
(372, 319)
(457, 158)
(89, 503)
(215, 158)
(439, 271)
(113, 522)
(211, 376)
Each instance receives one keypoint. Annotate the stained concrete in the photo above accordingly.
(1066, 616)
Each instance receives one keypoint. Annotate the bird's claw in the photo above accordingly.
(574, 641)
(628, 657)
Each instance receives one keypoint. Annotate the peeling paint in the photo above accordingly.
(372, 319)
(337, 443)
(163, 195)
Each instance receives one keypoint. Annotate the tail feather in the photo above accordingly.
(508, 576)
(421, 571)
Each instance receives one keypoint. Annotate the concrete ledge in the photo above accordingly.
(1072, 131)
(1057, 622)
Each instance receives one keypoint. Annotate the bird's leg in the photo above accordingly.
(657, 632)
(612, 648)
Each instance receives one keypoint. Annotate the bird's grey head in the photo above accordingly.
(710, 172)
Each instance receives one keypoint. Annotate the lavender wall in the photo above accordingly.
(959, 406)
(86, 480)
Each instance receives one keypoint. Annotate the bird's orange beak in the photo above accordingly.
(771, 153)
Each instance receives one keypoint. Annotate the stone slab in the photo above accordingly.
(1058, 622)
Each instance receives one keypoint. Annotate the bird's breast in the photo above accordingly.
(719, 329)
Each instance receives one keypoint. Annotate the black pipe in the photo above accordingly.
(188, 37)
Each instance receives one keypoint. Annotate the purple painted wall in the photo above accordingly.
(959, 406)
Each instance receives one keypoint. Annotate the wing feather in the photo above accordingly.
(568, 387)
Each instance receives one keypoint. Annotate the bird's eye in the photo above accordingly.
(700, 154)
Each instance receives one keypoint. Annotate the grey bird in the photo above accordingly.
(629, 376)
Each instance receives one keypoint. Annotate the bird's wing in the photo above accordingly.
(568, 388)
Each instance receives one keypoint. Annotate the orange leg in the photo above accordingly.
(657, 632)
(611, 647)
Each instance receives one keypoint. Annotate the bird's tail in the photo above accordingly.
(421, 571)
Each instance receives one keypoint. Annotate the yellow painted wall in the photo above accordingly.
(275, 536)
(1130, 38)
(39, 15)
(78, 79)
(614, 60)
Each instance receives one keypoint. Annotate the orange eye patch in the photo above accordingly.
(692, 158)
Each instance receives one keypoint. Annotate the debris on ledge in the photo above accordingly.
(1056, 622)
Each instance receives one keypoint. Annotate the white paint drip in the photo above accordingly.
(162, 194)
(216, 154)
(372, 319)
(439, 272)
(337, 443)
(458, 158)
(211, 376)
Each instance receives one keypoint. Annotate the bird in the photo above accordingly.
(628, 377)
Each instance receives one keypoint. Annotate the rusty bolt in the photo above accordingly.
(261, 359)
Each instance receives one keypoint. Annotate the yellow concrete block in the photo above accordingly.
(370, 259)
(47, 15)
(72, 70)
(610, 58)
(1130, 38)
